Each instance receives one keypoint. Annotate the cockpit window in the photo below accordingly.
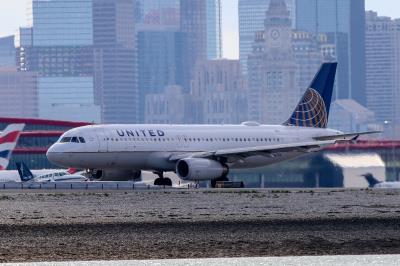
(65, 140)
(73, 139)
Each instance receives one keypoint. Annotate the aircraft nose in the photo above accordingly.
(53, 155)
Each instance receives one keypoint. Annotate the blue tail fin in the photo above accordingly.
(313, 108)
(24, 173)
(372, 181)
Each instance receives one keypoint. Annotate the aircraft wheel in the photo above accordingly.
(158, 182)
(214, 182)
(167, 182)
(163, 182)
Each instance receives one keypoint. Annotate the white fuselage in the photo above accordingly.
(13, 176)
(388, 185)
(150, 147)
(61, 176)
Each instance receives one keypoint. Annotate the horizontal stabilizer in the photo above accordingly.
(345, 137)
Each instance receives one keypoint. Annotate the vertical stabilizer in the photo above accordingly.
(313, 108)
(24, 172)
(8, 140)
(372, 181)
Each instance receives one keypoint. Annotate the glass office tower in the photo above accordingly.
(160, 60)
(115, 60)
(84, 52)
(60, 51)
(344, 22)
(158, 12)
(62, 23)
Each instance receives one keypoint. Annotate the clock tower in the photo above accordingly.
(272, 68)
(278, 31)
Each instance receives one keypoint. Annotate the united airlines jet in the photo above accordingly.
(204, 152)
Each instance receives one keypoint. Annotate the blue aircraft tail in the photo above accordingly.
(372, 181)
(313, 108)
(24, 173)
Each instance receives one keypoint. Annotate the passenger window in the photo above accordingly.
(81, 140)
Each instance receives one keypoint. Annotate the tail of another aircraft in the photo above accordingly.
(313, 108)
(8, 140)
(24, 173)
(372, 181)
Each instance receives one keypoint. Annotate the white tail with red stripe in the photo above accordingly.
(8, 140)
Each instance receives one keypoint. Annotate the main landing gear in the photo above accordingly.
(162, 181)
(214, 182)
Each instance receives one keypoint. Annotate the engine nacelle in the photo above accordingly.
(197, 169)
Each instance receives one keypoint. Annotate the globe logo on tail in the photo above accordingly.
(310, 112)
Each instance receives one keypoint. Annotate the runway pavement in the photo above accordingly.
(40, 225)
(368, 260)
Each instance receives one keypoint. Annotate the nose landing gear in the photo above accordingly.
(161, 180)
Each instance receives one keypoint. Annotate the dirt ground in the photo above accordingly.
(55, 226)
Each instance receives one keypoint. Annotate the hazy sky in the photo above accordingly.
(13, 15)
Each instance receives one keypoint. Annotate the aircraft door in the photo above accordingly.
(182, 141)
(103, 140)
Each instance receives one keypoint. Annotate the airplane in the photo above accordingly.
(205, 152)
(8, 140)
(55, 176)
(375, 183)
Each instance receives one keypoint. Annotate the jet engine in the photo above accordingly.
(115, 175)
(197, 169)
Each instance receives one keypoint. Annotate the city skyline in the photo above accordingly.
(15, 15)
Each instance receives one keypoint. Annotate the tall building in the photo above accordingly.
(19, 95)
(310, 51)
(115, 60)
(251, 20)
(214, 29)
(342, 21)
(160, 61)
(58, 47)
(201, 24)
(219, 92)
(171, 106)
(158, 12)
(383, 68)
(84, 54)
(8, 57)
(282, 64)
(272, 70)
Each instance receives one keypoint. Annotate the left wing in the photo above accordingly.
(269, 151)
